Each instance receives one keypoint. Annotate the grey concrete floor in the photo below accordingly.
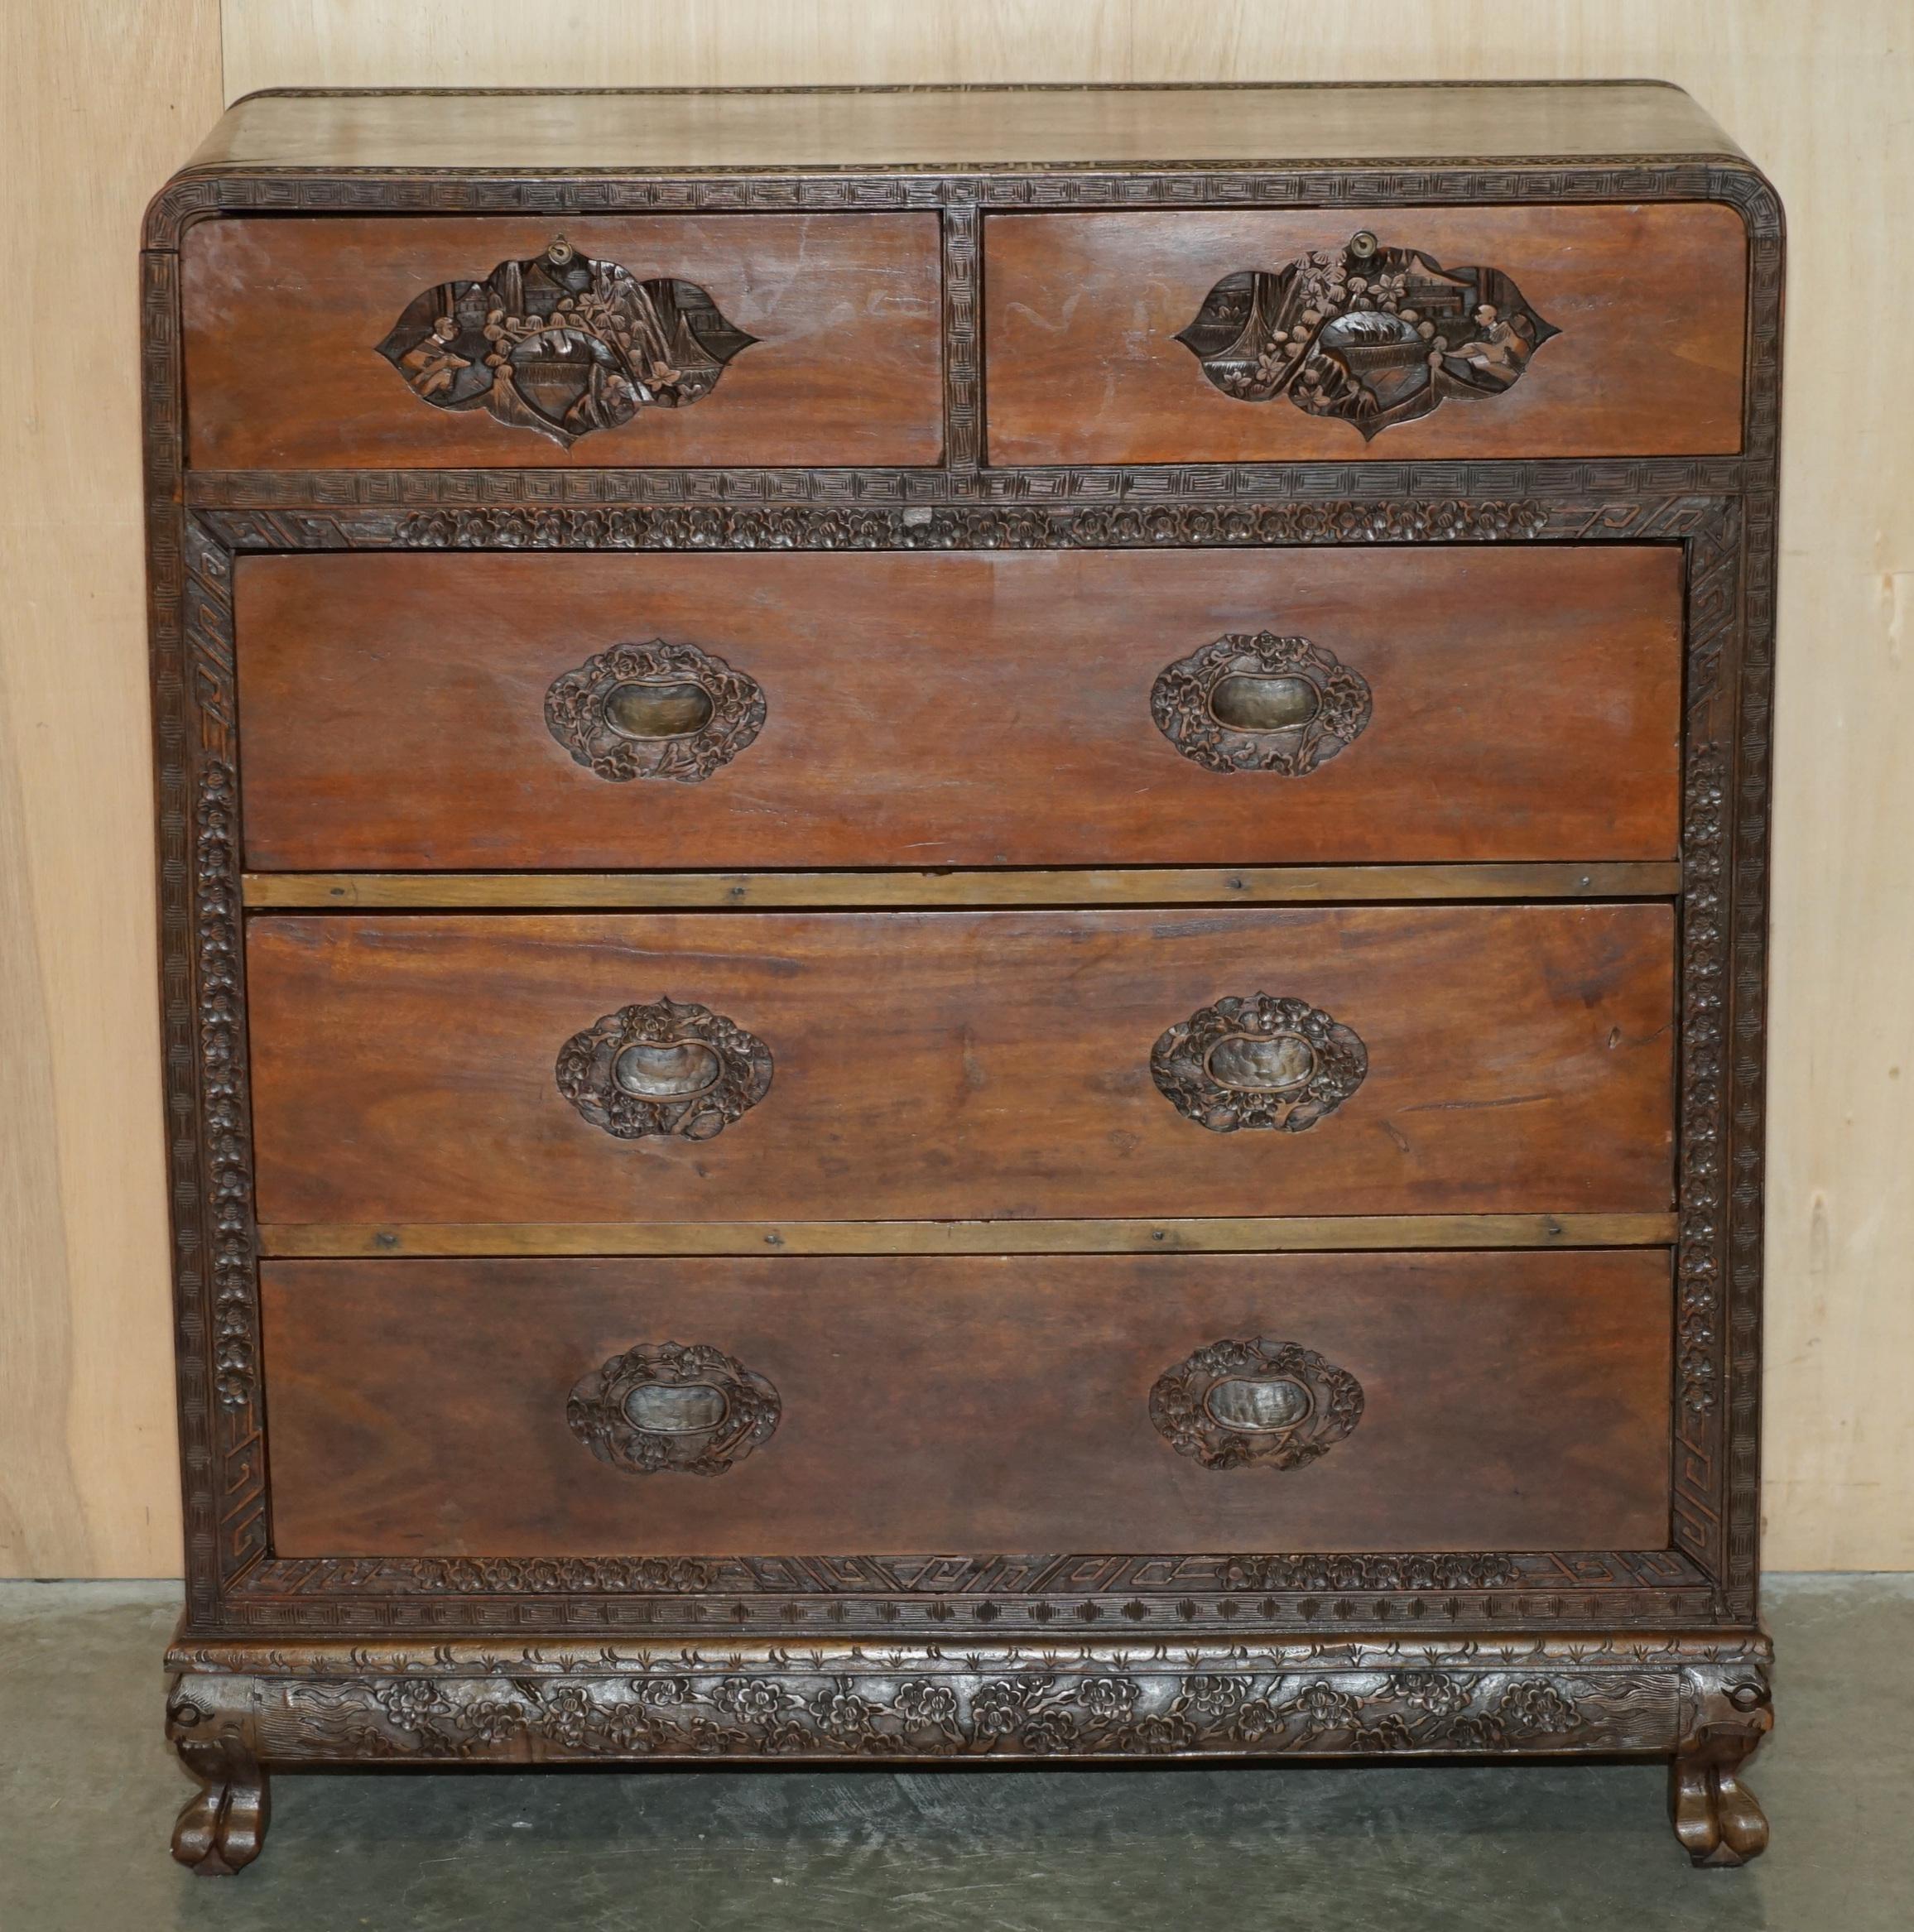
(89, 1791)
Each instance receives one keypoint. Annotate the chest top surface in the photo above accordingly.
(833, 128)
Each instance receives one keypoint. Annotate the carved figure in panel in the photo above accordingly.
(1255, 1404)
(654, 710)
(1265, 1061)
(1261, 703)
(669, 1405)
(1367, 333)
(563, 344)
(666, 1068)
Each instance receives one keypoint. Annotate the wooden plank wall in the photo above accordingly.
(100, 102)
(96, 115)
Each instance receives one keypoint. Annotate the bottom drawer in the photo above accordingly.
(841, 1406)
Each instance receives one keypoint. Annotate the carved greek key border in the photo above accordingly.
(929, 1597)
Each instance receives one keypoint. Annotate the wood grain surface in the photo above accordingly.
(935, 709)
(923, 127)
(974, 1065)
(1292, 1234)
(1082, 313)
(283, 318)
(970, 1405)
(1288, 885)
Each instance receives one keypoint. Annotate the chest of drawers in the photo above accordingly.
(963, 926)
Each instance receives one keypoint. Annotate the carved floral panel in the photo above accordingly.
(1114, 1712)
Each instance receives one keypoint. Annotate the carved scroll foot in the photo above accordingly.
(1715, 1815)
(1725, 1716)
(223, 1827)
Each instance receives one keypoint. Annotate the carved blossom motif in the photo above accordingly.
(1261, 703)
(669, 1405)
(666, 1068)
(1262, 1062)
(654, 710)
(1255, 1404)
(643, 526)
(1035, 1713)
(563, 344)
(1368, 334)
(224, 1072)
(1433, 1572)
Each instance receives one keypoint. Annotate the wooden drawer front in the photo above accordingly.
(1084, 314)
(891, 1407)
(449, 711)
(285, 321)
(961, 1065)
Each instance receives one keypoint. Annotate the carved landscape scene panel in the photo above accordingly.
(1568, 332)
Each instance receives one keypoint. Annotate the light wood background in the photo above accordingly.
(102, 97)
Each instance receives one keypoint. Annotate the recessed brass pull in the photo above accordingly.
(1261, 703)
(666, 1068)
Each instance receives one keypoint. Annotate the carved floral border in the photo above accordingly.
(535, 1704)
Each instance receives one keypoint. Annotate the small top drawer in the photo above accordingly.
(1293, 336)
(655, 340)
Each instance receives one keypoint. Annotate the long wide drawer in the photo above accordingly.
(1458, 702)
(1287, 335)
(751, 1066)
(841, 1406)
(426, 341)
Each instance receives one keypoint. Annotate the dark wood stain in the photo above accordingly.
(1510, 1401)
(973, 1065)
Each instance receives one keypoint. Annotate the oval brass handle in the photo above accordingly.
(1263, 1061)
(664, 1069)
(1261, 703)
(655, 710)
(1241, 1404)
(672, 1406)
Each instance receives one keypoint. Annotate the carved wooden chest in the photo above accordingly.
(964, 911)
